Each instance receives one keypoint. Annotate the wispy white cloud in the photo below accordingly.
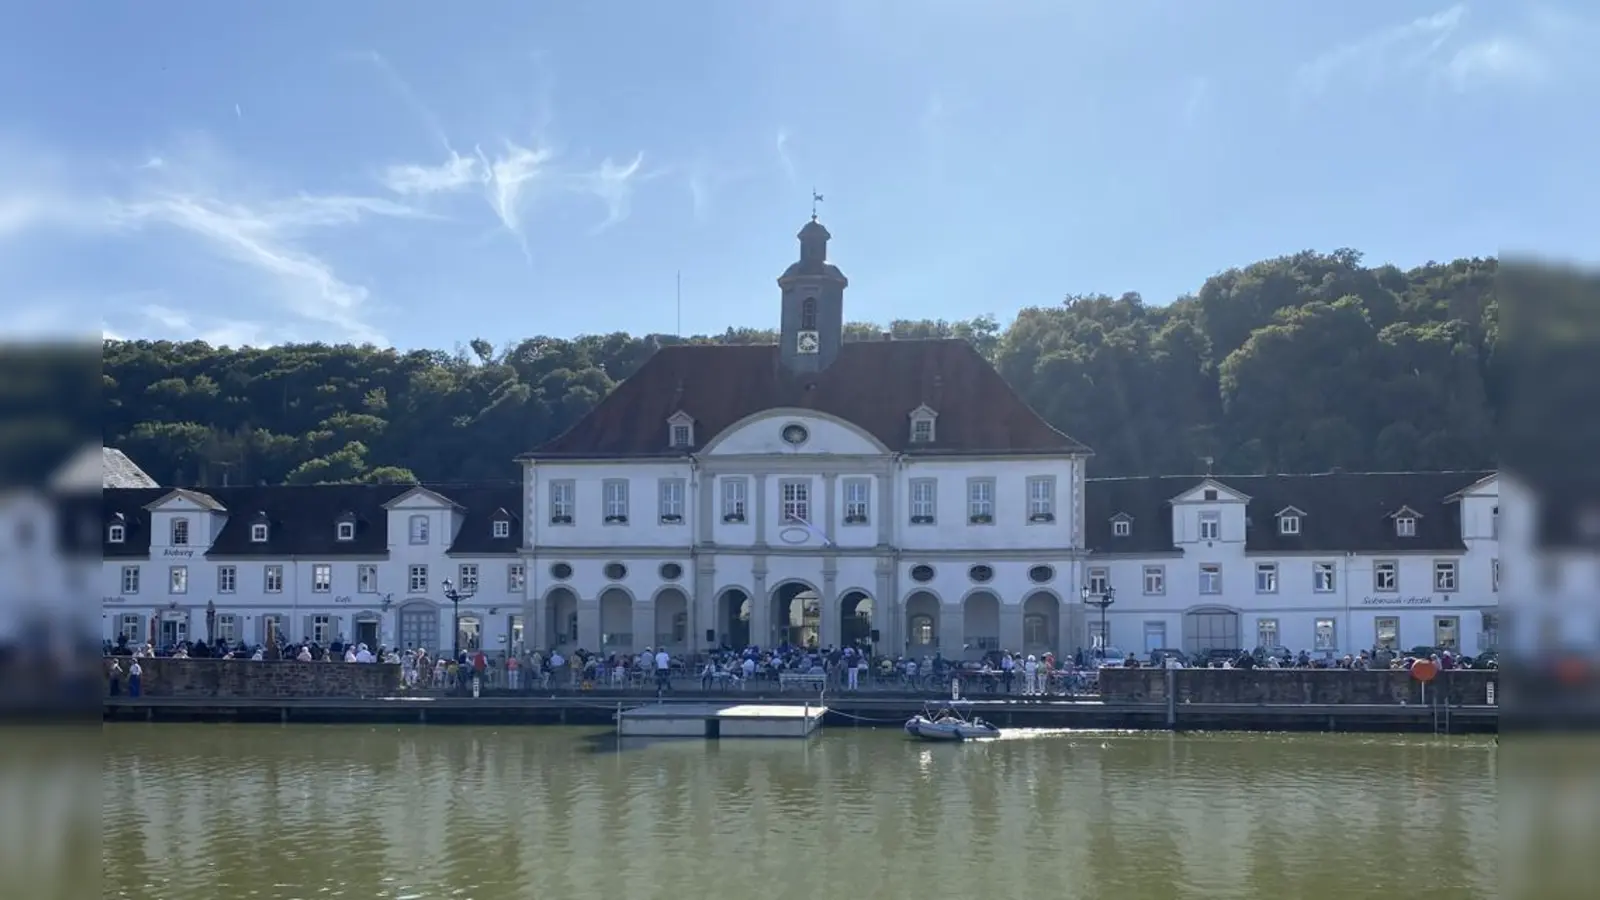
(1366, 62)
(509, 178)
(784, 160)
(1545, 47)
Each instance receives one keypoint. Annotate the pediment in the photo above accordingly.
(923, 411)
(1290, 511)
(1197, 494)
(1405, 512)
(421, 497)
(680, 418)
(1122, 517)
(183, 499)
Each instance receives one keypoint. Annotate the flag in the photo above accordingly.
(816, 532)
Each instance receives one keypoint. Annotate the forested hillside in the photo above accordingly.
(1299, 364)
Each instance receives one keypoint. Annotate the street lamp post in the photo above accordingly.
(455, 597)
(1103, 601)
(211, 622)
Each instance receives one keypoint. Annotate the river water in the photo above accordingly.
(270, 812)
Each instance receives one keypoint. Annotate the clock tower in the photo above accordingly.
(813, 305)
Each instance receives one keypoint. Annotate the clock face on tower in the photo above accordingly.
(805, 342)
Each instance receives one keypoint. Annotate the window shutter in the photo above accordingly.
(305, 629)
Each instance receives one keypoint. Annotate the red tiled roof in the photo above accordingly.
(872, 384)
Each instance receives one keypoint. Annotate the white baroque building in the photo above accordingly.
(892, 491)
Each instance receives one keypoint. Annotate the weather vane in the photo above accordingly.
(815, 199)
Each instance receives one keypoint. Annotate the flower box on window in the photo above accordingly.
(616, 520)
(560, 520)
(922, 520)
(855, 520)
(733, 518)
(1042, 517)
(671, 519)
(981, 520)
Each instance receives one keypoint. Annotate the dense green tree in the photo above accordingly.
(1303, 363)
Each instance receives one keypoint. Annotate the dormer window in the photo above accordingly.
(1289, 521)
(680, 431)
(1405, 526)
(502, 528)
(116, 533)
(345, 531)
(923, 419)
(258, 533)
(1122, 527)
(419, 529)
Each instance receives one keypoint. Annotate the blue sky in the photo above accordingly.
(420, 174)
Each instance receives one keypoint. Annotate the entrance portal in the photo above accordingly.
(796, 615)
(855, 620)
(733, 617)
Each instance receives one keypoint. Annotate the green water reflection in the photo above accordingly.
(397, 812)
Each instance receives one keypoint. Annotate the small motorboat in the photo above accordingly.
(948, 725)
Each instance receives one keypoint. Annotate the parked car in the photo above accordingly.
(1110, 657)
(1281, 654)
(1159, 657)
(1218, 655)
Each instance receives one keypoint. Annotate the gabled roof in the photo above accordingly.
(302, 518)
(1290, 511)
(1343, 511)
(1231, 493)
(1404, 511)
(204, 501)
(1122, 517)
(870, 384)
(420, 491)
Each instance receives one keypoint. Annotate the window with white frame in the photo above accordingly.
(670, 493)
(1266, 578)
(130, 579)
(116, 534)
(1386, 633)
(924, 501)
(322, 629)
(1405, 526)
(1099, 581)
(1324, 577)
(1155, 580)
(1444, 575)
(516, 577)
(321, 578)
(130, 626)
(794, 495)
(228, 628)
(857, 501)
(1324, 635)
(367, 579)
(467, 577)
(419, 529)
(345, 531)
(1210, 578)
(501, 528)
(614, 492)
(180, 532)
(227, 579)
(178, 580)
(922, 428)
(1210, 526)
(735, 494)
(563, 497)
(258, 533)
(681, 435)
(1041, 499)
(1267, 633)
(1386, 576)
(1289, 524)
(980, 501)
(272, 579)
(1121, 527)
(417, 579)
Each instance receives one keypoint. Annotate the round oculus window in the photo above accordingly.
(1041, 574)
(616, 571)
(795, 434)
(922, 573)
(561, 571)
(980, 574)
(671, 571)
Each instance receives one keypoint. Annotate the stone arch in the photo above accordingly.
(735, 607)
(856, 620)
(922, 623)
(616, 620)
(672, 619)
(1041, 623)
(796, 613)
(790, 413)
(980, 623)
(1211, 627)
(561, 617)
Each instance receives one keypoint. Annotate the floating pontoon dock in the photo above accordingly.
(720, 720)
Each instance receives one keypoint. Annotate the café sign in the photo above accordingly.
(1418, 600)
(178, 552)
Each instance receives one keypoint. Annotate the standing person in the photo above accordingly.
(115, 674)
(663, 670)
(135, 677)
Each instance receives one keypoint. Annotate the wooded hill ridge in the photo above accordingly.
(1303, 363)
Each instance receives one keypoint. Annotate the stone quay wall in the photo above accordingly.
(1295, 686)
(237, 679)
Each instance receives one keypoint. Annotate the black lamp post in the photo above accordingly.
(211, 622)
(455, 597)
(1103, 601)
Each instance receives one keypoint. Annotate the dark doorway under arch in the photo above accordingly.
(855, 619)
(796, 615)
